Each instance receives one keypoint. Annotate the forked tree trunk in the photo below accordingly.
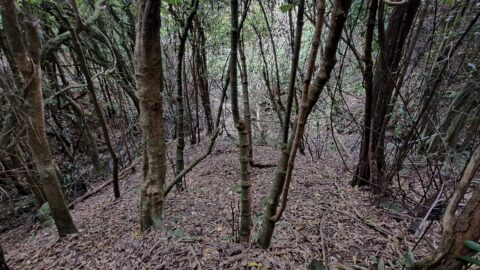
(385, 76)
(28, 63)
(98, 109)
(309, 99)
(148, 73)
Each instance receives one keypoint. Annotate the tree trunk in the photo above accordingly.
(275, 60)
(191, 129)
(179, 165)
(386, 73)
(19, 162)
(80, 123)
(28, 63)
(466, 228)
(266, 77)
(309, 99)
(240, 125)
(246, 99)
(201, 67)
(148, 73)
(457, 230)
(362, 172)
(98, 110)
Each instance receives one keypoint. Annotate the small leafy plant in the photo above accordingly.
(474, 246)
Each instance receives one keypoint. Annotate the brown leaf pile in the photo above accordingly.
(325, 219)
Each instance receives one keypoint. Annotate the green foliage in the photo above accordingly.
(44, 215)
(407, 261)
(474, 246)
(448, 2)
(392, 206)
(469, 259)
(458, 158)
(175, 2)
(177, 233)
(286, 7)
(357, 88)
(316, 265)
(357, 8)
(237, 189)
(410, 258)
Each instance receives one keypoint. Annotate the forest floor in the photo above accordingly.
(326, 220)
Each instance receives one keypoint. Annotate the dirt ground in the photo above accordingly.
(326, 220)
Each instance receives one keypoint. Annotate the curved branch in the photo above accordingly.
(55, 42)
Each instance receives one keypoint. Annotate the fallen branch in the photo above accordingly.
(102, 186)
(89, 194)
(260, 165)
(180, 175)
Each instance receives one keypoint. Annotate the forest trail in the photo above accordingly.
(319, 223)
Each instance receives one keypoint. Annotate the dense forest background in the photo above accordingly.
(190, 134)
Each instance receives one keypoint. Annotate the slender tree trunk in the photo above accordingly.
(246, 192)
(28, 63)
(98, 110)
(363, 172)
(180, 164)
(196, 130)
(148, 73)
(309, 99)
(202, 75)
(266, 76)
(275, 60)
(466, 228)
(246, 99)
(191, 127)
(384, 78)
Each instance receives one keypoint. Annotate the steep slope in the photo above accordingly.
(325, 220)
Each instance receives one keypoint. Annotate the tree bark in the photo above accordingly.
(240, 125)
(246, 100)
(384, 79)
(28, 63)
(309, 99)
(200, 55)
(362, 172)
(98, 109)
(457, 230)
(277, 89)
(148, 73)
(179, 164)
